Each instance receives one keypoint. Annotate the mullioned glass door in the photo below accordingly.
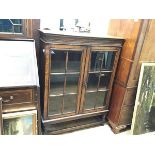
(98, 78)
(64, 85)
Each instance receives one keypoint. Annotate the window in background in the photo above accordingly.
(11, 25)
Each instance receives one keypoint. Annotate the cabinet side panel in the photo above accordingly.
(123, 71)
(126, 115)
(116, 102)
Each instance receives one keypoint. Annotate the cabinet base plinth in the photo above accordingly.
(74, 125)
(118, 128)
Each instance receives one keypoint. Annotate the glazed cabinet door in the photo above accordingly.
(1, 121)
(66, 67)
(98, 78)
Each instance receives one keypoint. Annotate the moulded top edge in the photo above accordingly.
(76, 34)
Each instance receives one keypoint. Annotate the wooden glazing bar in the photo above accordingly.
(66, 62)
(99, 77)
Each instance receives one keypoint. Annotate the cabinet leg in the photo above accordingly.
(117, 128)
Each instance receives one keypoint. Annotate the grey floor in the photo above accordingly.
(103, 131)
(99, 130)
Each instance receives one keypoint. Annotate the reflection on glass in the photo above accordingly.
(94, 99)
(57, 84)
(96, 61)
(69, 103)
(92, 81)
(102, 61)
(58, 59)
(108, 61)
(71, 83)
(104, 80)
(74, 60)
(100, 101)
(90, 100)
(54, 105)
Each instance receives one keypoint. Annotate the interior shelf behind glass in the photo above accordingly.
(95, 99)
(102, 60)
(98, 81)
(63, 61)
(64, 84)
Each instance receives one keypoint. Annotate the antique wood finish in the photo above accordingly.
(138, 48)
(74, 124)
(112, 49)
(86, 45)
(47, 74)
(16, 96)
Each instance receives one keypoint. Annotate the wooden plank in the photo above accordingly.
(128, 29)
(74, 117)
(143, 117)
(46, 80)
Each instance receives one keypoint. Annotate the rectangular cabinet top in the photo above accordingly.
(60, 37)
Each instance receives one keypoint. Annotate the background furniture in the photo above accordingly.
(19, 83)
(139, 47)
(76, 74)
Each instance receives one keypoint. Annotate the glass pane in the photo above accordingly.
(92, 81)
(108, 60)
(54, 105)
(104, 80)
(5, 25)
(100, 98)
(102, 61)
(94, 98)
(57, 84)
(90, 100)
(16, 21)
(71, 83)
(17, 29)
(74, 60)
(70, 103)
(96, 61)
(9, 25)
(58, 59)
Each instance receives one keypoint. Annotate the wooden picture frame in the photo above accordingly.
(20, 123)
(143, 120)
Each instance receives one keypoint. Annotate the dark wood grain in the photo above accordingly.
(86, 45)
(137, 49)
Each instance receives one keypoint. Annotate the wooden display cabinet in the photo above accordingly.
(19, 86)
(76, 75)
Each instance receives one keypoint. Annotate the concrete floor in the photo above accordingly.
(103, 131)
(99, 130)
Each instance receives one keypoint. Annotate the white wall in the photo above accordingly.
(98, 26)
